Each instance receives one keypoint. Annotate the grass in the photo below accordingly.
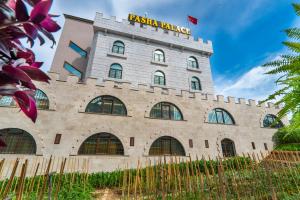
(288, 147)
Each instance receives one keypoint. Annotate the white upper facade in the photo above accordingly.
(137, 63)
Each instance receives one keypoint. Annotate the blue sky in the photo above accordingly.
(245, 34)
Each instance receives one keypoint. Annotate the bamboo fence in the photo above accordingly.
(250, 176)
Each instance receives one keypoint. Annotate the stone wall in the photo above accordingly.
(68, 100)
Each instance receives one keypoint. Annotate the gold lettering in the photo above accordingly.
(155, 23)
(183, 30)
(131, 17)
(188, 31)
(137, 19)
(163, 24)
(149, 21)
(168, 26)
(143, 20)
(172, 27)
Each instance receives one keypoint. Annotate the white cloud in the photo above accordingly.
(254, 84)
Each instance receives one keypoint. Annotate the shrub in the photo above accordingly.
(283, 136)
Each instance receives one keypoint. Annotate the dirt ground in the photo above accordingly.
(106, 194)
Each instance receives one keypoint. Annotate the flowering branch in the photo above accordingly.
(18, 66)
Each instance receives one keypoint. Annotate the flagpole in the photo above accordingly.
(188, 24)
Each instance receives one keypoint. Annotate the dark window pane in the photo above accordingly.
(57, 139)
(220, 116)
(131, 141)
(115, 71)
(270, 121)
(166, 146)
(106, 105)
(118, 47)
(192, 62)
(101, 144)
(166, 110)
(159, 56)
(72, 70)
(79, 50)
(228, 148)
(41, 99)
(17, 142)
(7, 101)
(253, 145)
(266, 146)
(206, 144)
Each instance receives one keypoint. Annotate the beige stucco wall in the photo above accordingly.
(66, 116)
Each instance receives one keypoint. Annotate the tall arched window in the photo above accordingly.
(195, 83)
(165, 110)
(271, 121)
(166, 146)
(159, 78)
(17, 142)
(101, 144)
(220, 116)
(118, 47)
(106, 105)
(159, 56)
(115, 71)
(41, 99)
(228, 148)
(192, 62)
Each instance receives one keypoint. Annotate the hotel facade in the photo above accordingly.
(123, 91)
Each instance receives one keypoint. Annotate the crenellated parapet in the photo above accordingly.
(156, 90)
(149, 33)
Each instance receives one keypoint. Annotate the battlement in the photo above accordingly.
(198, 96)
(149, 33)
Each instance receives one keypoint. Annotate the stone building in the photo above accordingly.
(123, 91)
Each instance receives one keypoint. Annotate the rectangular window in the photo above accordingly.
(57, 139)
(132, 141)
(253, 145)
(191, 143)
(266, 146)
(206, 144)
(79, 50)
(72, 70)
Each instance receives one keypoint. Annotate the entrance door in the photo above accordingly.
(228, 148)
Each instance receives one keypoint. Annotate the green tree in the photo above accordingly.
(288, 67)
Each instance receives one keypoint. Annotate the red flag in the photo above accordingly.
(193, 20)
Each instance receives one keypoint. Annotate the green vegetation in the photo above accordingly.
(232, 178)
(287, 67)
(287, 140)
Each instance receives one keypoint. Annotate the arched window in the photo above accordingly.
(271, 121)
(118, 47)
(106, 105)
(192, 62)
(17, 142)
(159, 78)
(166, 146)
(228, 148)
(115, 71)
(159, 56)
(195, 83)
(165, 110)
(41, 99)
(220, 116)
(101, 144)
(7, 101)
